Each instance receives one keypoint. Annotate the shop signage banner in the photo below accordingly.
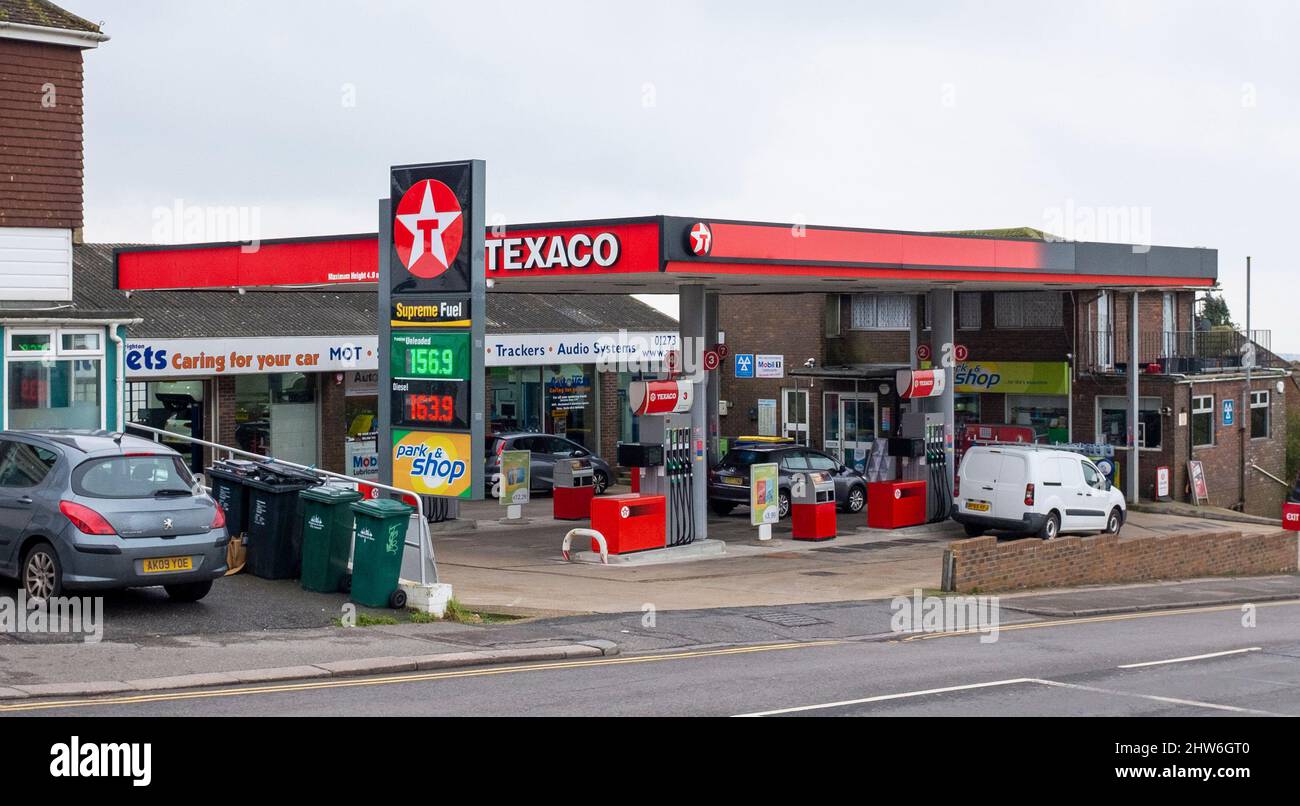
(769, 366)
(538, 349)
(763, 490)
(1012, 377)
(583, 248)
(361, 383)
(430, 463)
(515, 467)
(408, 312)
(166, 358)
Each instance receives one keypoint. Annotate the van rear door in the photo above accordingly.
(1009, 492)
(979, 474)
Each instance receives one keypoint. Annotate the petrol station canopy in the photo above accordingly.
(659, 254)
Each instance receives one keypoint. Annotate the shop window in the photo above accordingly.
(1048, 415)
(275, 415)
(52, 387)
(881, 312)
(1203, 421)
(1259, 415)
(570, 404)
(1112, 422)
(967, 410)
(360, 417)
(968, 310)
(172, 406)
(832, 315)
(1031, 310)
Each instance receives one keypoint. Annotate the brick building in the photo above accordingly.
(61, 351)
(1054, 362)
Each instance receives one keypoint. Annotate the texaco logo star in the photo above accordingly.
(700, 239)
(429, 227)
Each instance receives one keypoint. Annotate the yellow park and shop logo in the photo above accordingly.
(431, 463)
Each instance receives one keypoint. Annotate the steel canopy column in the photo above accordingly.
(692, 330)
(943, 341)
(714, 380)
(1133, 361)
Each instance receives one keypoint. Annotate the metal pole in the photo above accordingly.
(1133, 399)
(1248, 352)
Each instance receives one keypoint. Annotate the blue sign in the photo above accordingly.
(744, 365)
(1229, 409)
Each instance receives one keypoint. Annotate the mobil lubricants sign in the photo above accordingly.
(432, 294)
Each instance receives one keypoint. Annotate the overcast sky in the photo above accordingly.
(1183, 116)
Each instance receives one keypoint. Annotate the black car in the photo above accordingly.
(729, 481)
(546, 449)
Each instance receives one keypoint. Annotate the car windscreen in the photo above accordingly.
(138, 476)
(743, 458)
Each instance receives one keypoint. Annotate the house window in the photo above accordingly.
(1203, 421)
(968, 310)
(1112, 421)
(1259, 415)
(54, 379)
(881, 312)
(1032, 310)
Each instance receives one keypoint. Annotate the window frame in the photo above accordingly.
(1145, 404)
(1267, 407)
(56, 353)
(1020, 310)
(1206, 412)
(875, 299)
(967, 302)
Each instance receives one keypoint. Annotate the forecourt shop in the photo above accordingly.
(700, 259)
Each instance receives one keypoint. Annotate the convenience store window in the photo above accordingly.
(1048, 415)
(570, 403)
(275, 415)
(1113, 422)
(54, 378)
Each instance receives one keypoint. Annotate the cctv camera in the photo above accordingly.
(810, 363)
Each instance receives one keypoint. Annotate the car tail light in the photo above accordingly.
(218, 520)
(86, 519)
(956, 485)
(1029, 495)
(501, 446)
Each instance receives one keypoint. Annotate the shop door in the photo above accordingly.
(857, 428)
(794, 410)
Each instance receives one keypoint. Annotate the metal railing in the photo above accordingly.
(1183, 352)
(424, 539)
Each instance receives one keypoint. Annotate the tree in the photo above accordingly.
(1215, 310)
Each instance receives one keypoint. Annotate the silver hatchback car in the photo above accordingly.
(97, 510)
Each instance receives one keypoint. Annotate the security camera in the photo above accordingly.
(810, 363)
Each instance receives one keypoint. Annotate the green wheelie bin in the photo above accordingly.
(377, 557)
(326, 537)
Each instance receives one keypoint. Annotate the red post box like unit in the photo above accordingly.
(1291, 516)
(812, 505)
(573, 487)
(630, 522)
(895, 504)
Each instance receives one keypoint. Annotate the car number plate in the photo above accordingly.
(735, 481)
(164, 565)
(978, 506)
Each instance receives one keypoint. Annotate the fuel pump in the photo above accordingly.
(921, 446)
(664, 408)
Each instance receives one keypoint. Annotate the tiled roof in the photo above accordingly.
(340, 311)
(44, 14)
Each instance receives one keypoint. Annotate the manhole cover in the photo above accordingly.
(790, 619)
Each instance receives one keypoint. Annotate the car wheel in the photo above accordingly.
(1114, 522)
(721, 508)
(782, 504)
(974, 531)
(856, 501)
(1051, 527)
(600, 481)
(188, 591)
(42, 575)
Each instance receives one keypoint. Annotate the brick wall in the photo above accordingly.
(225, 411)
(792, 325)
(40, 135)
(987, 565)
(608, 416)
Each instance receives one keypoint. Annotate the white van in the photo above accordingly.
(1032, 490)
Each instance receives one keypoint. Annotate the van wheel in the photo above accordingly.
(1114, 522)
(1051, 527)
(42, 575)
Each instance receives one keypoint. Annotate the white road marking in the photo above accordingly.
(1010, 682)
(887, 697)
(1191, 658)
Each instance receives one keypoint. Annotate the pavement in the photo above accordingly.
(1211, 661)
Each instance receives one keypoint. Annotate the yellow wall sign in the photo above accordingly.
(1012, 377)
(432, 463)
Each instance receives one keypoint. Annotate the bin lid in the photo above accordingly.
(332, 494)
(383, 508)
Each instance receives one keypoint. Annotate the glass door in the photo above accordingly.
(858, 421)
(795, 411)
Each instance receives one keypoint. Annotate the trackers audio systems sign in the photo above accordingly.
(431, 329)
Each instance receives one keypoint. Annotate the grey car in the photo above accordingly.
(547, 449)
(98, 510)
